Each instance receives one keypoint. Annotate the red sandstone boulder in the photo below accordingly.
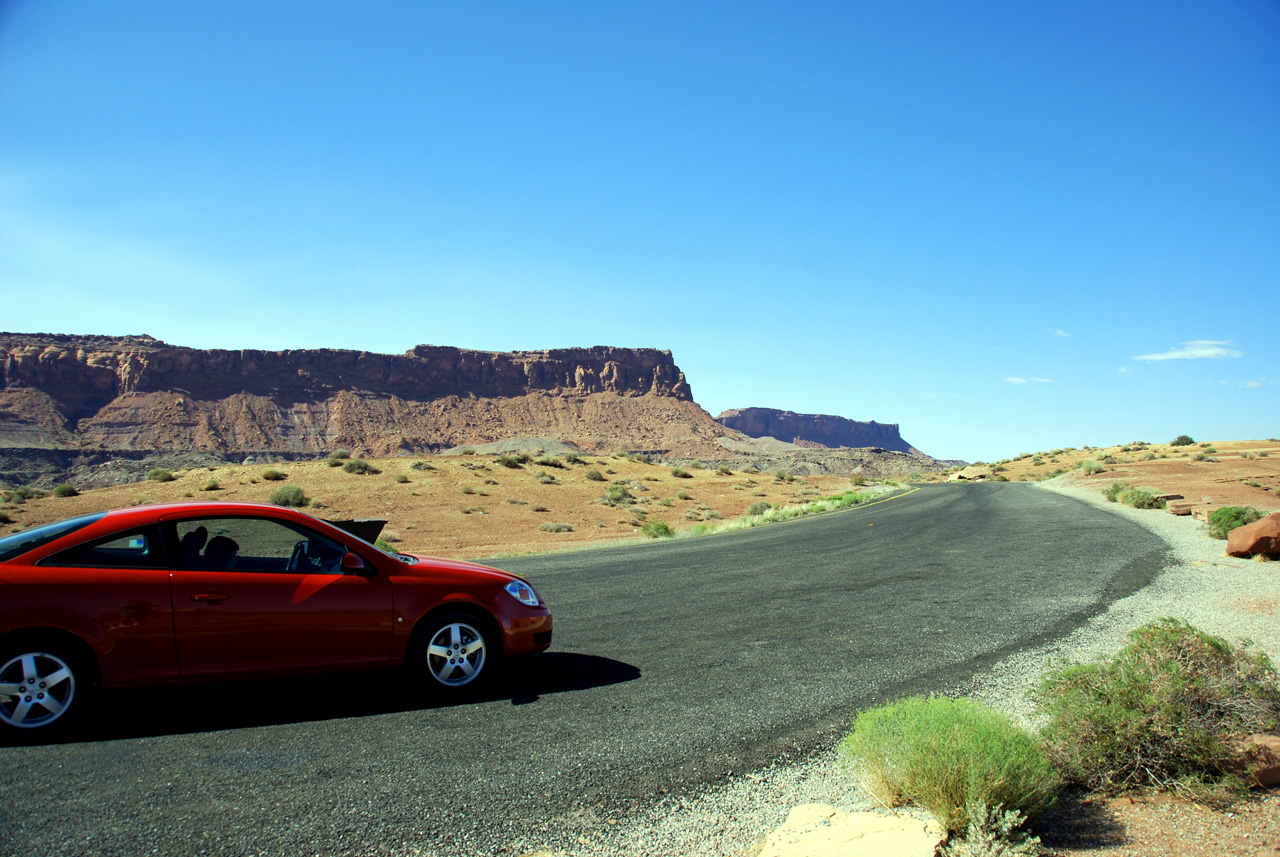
(1259, 537)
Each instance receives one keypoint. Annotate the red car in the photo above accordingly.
(198, 591)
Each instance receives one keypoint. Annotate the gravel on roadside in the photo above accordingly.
(1232, 598)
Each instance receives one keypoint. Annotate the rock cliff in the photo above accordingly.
(814, 429)
(129, 394)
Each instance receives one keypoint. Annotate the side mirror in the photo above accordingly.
(352, 562)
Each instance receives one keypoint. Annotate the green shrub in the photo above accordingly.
(21, 494)
(551, 527)
(723, 471)
(336, 457)
(420, 465)
(508, 461)
(1164, 712)
(273, 475)
(4, 518)
(360, 466)
(1226, 519)
(593, 476)
(289, 495)
(549, 461)
(545, 478)
(681, 473)
(65, 491)
(683, 495)
(1142, 498)
(1089, 467)
(1117, 488)
(757, 508)
(949, 756)
(1199, 456)
(159, 474)
(466, 450)
(992, 833)
(402, 478)
(572, 458)
(616, 495)
(1182, 440)
(211, 485)
(656, 529)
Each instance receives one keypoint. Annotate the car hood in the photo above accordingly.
(429, 566)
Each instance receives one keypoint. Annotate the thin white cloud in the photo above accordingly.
(1198, 349)
(1016, 380)
(1062, 333)
(1043, 380)
(1029, 380)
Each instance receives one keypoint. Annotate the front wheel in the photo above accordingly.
(40, 688)
(456, 651)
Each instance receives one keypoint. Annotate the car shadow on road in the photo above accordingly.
(150, 712)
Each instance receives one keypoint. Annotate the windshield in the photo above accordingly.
(28, 540)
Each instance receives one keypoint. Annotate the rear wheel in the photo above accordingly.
(456, 651)
(42, 686)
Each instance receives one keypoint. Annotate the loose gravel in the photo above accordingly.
(1233, 598)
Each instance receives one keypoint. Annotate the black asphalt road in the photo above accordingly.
(674, 665)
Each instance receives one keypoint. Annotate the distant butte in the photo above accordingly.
(815, 430)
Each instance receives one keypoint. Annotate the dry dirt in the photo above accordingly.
(469, 506)
(1222, 479)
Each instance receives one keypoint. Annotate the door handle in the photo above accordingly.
(211, 597)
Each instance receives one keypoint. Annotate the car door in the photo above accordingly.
(258, 594)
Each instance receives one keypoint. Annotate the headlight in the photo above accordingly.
(522, 592)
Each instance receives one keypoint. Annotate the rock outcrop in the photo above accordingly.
(102, 394)
(814, 429)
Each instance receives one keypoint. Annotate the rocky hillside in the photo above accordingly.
(90, 399)
(814, 430)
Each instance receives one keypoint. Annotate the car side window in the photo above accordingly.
(256, 545)
(135, 549)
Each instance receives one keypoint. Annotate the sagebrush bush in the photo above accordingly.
(211, 485)
(992, 833)
(289, 495)
(65, 491)
(1182, 440)
(550, 461)
(681, 473)
(508, 461)
(1165, 712)
(1223, 521)
(402, 478)
(360, 466)
(1090, 467)
(336, 457)
(420, 465)
(1142, 498)
(1117, 488)
(758, 508)
(273, 475)
(657, 529)
(949, 756)
(159, 474)
(593, 476)
(552, 527)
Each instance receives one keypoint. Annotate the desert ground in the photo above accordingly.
(471, 506)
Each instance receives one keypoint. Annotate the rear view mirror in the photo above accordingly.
(352, 562)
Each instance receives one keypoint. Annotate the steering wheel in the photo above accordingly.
(300, 557)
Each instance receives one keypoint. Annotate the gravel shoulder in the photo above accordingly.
(1233, 598)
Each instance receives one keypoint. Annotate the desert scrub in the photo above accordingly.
(420, 465)
(1165, 712)
(949, 756)
(545, 478)
(616, 495)
(360, 467)
(336, 457)
(681, 473)
(549, 461)
(1199, 456)
(758, 508)
(1117, 488)
(289, 495)
(159, 474)
(992, 833)
(683, 495)
(1142, 498)
(656, 529)
(1182, 440)
(211, 485)
(1089, 467)
(273, 475)
(508, 461)
(552, 527)
(65, 491)
(593, 476)
(402, 478)
(1226, 519)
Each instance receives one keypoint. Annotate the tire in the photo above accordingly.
(43, 687)
(456, 651)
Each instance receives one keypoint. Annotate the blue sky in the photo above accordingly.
(1004, 226)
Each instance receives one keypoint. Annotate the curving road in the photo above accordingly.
(674, 665)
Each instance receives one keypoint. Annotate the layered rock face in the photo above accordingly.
(814, 429)
(138, 393)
